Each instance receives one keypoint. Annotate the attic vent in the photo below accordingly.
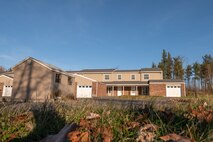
(29, 62)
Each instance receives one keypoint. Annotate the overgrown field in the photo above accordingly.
(178, 119)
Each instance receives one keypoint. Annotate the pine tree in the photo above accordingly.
(207, 72)
(178, 68)
(169, 66)
(163, 64)
(154, 65)
(196, 72)
(188, 74)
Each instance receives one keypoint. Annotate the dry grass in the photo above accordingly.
(34, 121)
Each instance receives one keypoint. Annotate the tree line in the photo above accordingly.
(198, 76)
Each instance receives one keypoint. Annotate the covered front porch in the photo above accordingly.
(128, 89)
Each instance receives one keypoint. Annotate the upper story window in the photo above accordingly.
(133, 77)
(58, 78)
(69, 80)
(146, 76)
(106, 77)
(119, 77)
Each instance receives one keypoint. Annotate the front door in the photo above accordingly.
(1, 89)
(133, 91)
(109, 91)
(119, 91)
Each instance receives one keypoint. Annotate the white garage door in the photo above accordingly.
(173, 91)
(84, 91)
(7, 91)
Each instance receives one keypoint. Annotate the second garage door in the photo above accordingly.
(84, 91)
(173, 91)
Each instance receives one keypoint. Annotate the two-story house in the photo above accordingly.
(36, 80)
(114, 82)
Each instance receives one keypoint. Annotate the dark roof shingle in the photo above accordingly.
(127, 83)
(116, 70)
(167, 80)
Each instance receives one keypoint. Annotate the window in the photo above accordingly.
(106, 76)
(146, 76)
(69, 80)
(132, 77)
(119, 77)
(57, 78)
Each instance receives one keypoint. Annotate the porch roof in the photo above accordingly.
(126, 83)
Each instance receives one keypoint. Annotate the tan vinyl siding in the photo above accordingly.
(83, 81)
(31, 81)
(64, 87)
(152, 76)
(1, 89)
(125, 76)
(6, 81)
(97, 76)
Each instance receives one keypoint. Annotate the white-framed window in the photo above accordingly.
(106, 77)
(119, 77)
(133, 77)
(146, 76)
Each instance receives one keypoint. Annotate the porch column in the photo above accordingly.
(136, 90)
(113, 94)
(123, 90)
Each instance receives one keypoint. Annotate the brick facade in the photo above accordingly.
(157, 89)
(183, 90)
(99, 89)
(160, 89)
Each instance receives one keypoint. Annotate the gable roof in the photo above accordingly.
(129, 83)
(9, 75)
(167, 80)
(46, 65)
(150, 69)
(115, 70)
(94, 70)
(127, 70)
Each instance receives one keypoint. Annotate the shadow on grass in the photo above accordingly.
(170, 121)
(47, 122)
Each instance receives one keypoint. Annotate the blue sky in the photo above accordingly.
(127, 34)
